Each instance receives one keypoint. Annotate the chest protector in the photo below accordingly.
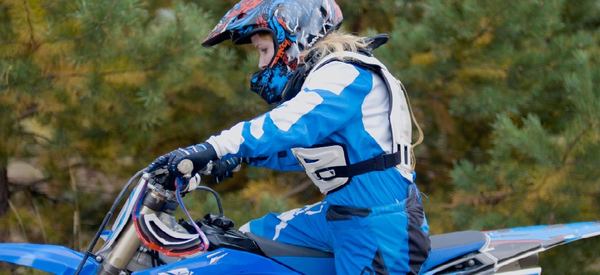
(328, 166)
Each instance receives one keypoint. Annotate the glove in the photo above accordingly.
(223, 169)
(199, 154)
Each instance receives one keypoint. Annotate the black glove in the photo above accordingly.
(199, 154)
(223, 169)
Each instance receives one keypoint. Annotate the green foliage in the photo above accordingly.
(240, 206)
(89, 85)
(91, 91)
(505, 93)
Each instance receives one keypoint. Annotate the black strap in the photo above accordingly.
(378, 163)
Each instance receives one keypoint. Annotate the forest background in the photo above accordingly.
(506, 92)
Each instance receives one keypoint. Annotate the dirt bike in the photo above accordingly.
(146, 238)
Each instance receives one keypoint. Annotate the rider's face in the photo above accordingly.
(264, 45)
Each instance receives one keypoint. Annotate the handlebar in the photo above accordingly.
(159, 179)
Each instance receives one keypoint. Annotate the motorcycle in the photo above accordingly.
(146, 238)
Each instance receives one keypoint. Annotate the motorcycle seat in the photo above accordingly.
(445, 247)
(278, 249)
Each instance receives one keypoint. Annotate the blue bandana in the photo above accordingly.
(270, 82)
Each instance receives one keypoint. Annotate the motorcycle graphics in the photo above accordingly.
(504, 251)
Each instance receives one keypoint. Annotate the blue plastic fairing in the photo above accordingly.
(309, 265)
(222, 261)
(546, 235)
(446, 247)
(506, 245)
(50, 258)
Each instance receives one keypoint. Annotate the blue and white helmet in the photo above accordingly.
(295, 25)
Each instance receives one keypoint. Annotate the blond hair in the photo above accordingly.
(336, 41)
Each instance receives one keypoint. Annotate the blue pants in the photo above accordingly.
(390, 239)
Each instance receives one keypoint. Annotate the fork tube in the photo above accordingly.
(124, 249)
(128, 242)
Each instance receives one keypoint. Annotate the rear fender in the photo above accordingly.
(50, 258)
(517, 248)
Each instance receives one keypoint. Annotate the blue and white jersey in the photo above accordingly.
(340, 103)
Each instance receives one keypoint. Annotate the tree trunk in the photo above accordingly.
(3, 190)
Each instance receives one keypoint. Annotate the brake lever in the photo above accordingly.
(159, 176)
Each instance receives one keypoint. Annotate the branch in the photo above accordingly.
(36, 193)
(27, 113)
(39, 194)
(31, 35)
(298, 189)
(487, 198)
(36, 136)
(52, 76)
(47, 41)
(571, 145)
(57, 75)
(31, 184)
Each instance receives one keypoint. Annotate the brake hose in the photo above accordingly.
(205, 243)
(217, 198)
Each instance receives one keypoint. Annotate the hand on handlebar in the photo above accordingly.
(222, 169)
(196, 156)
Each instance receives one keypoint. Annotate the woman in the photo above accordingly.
(343, 118)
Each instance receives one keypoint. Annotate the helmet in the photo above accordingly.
(295, 25)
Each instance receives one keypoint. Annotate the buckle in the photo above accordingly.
(325, 174)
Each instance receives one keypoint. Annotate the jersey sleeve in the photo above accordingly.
(281, 161)
(329, 98)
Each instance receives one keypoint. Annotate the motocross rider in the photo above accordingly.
(341, 117)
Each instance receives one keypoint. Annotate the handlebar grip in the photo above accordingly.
(185, 167)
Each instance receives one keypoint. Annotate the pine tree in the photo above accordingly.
(503, 89)
(505, 92)
(104, 87)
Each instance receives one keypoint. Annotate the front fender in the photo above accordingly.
(50, 258)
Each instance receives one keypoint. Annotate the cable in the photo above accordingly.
(217, 198)
(205, 244)
(107, 218)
